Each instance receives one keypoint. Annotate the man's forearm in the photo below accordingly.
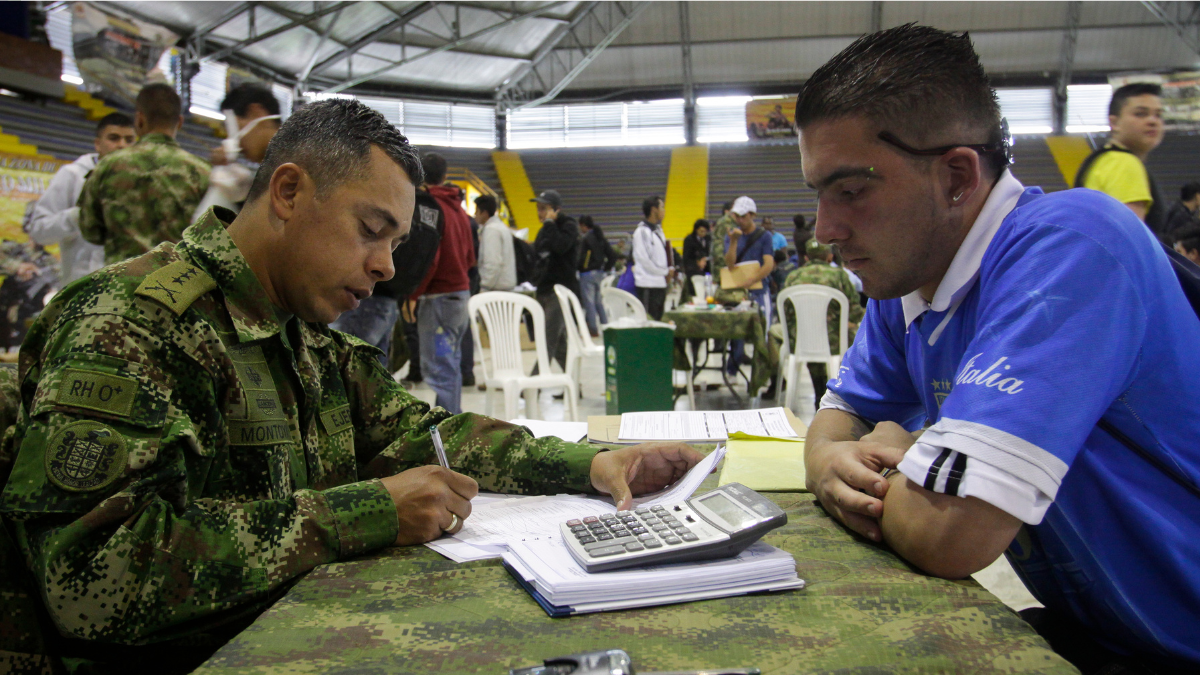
(945, 535)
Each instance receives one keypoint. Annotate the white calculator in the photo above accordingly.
(718, 524)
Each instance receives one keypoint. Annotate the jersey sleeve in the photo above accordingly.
(1121, 176)
(393, 435)
(99, 493)
(1061, 326)
(873, 380)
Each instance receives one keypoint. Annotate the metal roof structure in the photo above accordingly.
(519, 54)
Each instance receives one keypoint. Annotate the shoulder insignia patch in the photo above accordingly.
(85, 456)
(177, 285)
(97, 391)
(337, 420)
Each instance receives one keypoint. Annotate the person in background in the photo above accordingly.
(467, 364)
(652, 258)
(143, 196)
(558, 242)
(1118, 168)
(778, 241)
(1187, 243)
(745, 243)
(819, 269)
(596, 259)
(802, 231)
(497, 259)
(1183, 212)
(55, 217)
(719, 233)
(695, 255)
(443, 295)
(258, 118)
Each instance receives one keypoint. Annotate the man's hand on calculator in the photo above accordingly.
(638, 469)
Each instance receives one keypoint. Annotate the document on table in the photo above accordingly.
(497, 520)
(571, 432)
(704, 425)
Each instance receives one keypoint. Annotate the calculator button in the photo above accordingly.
(650, 520)
(645, 537)
(603, 552)
(680, 531)
(633, 546)
(578, 528)
(638, 530)
(623, 513)
(603, 537)
(587, 540)
(574, 523)
(660, 528)
(669, 519)
(671, 540)
(591, 519)
(652, 543)
(642, 511)
(688, 536)
(658, 508)
(678, 528)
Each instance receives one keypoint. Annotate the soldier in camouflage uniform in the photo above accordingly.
(192, 437)
(141, 196)
(719, 231)
(818, 270)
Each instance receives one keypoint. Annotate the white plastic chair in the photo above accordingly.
(619, 303)
(810, 303)
(579, 339)
(501, 313)
(608, 281)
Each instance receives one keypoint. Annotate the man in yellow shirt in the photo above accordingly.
(1118, 169)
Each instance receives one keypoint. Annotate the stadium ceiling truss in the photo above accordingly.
(570, 47)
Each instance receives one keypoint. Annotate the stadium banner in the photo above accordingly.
(23, 179)
(119, 54)
(1180, 95)
(773, 117)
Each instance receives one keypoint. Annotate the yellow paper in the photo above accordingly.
(766, 465)
(739, 274)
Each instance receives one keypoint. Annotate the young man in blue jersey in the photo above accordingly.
(1009, 325)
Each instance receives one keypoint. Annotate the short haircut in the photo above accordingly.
(649, 203)
(1189, 238)
(487, 203)
(726, 206)
(332, 140)
(586, 221)
(159, 105)
(1123, 94)
(924, 84)
(700, 222)
(800, 237)
(115, 119)
(240, 98)
(800, 221)
(435, 168)
(1189, 191)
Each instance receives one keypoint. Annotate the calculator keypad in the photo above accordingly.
(629, 531)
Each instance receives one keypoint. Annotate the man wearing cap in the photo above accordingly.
(558, 244)
(744, 243)
(818, 270)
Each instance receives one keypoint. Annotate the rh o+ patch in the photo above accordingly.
(85, 456)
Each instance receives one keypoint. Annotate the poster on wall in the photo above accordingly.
(1180, 95)
(773, 117)
(23, 179)
(118, 54)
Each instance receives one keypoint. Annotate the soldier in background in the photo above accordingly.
(818, 270)
(192, 437)
(55, 217)
(134, 200)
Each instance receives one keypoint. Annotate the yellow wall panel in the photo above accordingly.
(517, 190)
(687, 190)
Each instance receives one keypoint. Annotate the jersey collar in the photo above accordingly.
(964, 269)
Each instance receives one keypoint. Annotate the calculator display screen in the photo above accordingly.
(727, 509)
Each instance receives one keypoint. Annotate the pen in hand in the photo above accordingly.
(437, 446)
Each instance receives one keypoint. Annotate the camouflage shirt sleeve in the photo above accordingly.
(121, 543)
(91, 208)
(392, 434)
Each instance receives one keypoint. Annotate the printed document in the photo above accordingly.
(704, 425)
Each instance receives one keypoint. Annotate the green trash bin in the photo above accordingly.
(637, 369)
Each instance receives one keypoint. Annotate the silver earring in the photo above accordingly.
(958, 196)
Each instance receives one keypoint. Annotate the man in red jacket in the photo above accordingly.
(443, 295)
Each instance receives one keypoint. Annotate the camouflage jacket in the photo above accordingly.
(141, 196)
(719, 231)
(824, 274)
(183, 451)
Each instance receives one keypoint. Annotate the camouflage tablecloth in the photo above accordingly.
(409, 610)
(712, 325)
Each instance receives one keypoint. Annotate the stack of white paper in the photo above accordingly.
(562, 587)
(704, 425)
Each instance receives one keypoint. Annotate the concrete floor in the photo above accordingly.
(999, 578)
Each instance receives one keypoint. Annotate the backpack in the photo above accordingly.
(1156, 217)
(415, 256)
(531, 267)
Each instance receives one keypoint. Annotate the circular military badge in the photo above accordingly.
(85, 456)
